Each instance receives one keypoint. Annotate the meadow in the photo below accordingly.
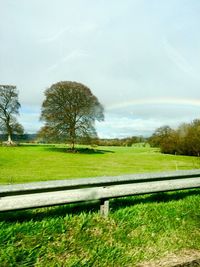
(28, 163)
(139, 229)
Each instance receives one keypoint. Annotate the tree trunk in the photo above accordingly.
(9, 130)
(72, 138)
(73, 144)
(9, 139)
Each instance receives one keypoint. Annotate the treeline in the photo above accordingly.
(19, 137)
(185, 140)
(129, 141)
(36, 138)
(87, 140)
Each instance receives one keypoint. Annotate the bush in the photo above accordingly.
(183, 141)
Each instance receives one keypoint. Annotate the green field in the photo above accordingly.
(138, 229)
(48, 162)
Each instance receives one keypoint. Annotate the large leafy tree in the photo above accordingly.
(9, 109)
(70, 110)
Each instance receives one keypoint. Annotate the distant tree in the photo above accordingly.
(9, 109)
(70, 110)
(160, 135)
(192, 139)
(185, 140)
(170, 143)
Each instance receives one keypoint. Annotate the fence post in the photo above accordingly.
(104, 207)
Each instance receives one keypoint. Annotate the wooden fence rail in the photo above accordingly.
(50, 193)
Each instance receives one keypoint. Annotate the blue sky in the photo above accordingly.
(141, 58)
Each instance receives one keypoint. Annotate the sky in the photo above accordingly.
(141, 58)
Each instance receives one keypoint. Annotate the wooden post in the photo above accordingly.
(104, 207)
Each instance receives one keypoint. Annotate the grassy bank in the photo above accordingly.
(138, 229)
(49, 162)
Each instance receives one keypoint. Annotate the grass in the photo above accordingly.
(50, 162)
(138, 229)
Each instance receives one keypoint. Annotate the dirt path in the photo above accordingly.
(185, 258)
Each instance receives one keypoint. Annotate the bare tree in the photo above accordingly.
(70, 110)
(9, 109)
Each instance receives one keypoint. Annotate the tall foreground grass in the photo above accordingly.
(138, 229)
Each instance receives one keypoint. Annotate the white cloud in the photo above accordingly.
(116, 126)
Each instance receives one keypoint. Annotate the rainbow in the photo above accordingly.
(155, 101)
